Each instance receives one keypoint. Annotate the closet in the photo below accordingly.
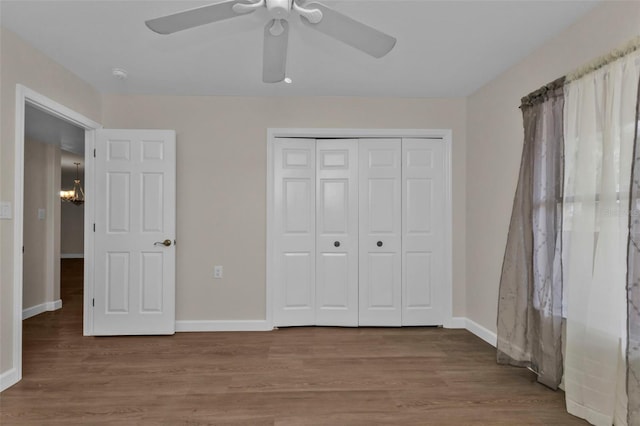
(358, 234)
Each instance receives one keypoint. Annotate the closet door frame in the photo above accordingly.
(445, 135)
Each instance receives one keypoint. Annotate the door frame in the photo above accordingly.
(24, 96)
(318, 133)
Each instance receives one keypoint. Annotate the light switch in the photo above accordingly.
(42, 214)
(6, 210)
(217, 271)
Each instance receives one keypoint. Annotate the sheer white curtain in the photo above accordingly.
(599, 131)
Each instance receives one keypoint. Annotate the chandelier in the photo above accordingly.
(75, 195)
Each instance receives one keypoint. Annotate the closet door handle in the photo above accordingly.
(379, 243)
(336, 244)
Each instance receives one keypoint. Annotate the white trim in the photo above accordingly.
(25, 95)
(443, 134)
(8, 379)
(18, 240)
(484, 333)
(223, 325)
(357, 133)
(89, 236)
(72, 256)
(269, 298)
(448, 225)
(43, 307)
(456, 323)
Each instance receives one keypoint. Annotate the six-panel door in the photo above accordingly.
(295, 226)
(380, 232)
(337, 232)
(422, 231)
(134, 272)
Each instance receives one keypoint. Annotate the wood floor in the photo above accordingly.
(297, 376)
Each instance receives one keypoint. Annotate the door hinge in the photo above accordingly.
(22, 249)
(93, 302)
(94, 153)
(94, 227)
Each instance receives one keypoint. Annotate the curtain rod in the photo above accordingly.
(551, 89)
(598, 63)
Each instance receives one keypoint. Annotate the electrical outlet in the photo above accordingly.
(217, 271)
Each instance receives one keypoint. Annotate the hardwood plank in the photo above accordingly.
(291, 376)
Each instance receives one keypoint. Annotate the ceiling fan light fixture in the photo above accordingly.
(276, 31)
(119, 73)
(312, 15)
(277, 28)
(242, 8)
(279, 9)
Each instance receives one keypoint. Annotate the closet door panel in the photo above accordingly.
(337, 232)
(422, 231)
(380, 232)
(294, 236)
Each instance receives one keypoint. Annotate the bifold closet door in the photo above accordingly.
(423, 220)
(380, 232)
(294, 259)
(337, 232)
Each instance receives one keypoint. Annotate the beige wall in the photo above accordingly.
(21, 63)
(221, 213)
(495, 136)
(41, 276)
(72, 219)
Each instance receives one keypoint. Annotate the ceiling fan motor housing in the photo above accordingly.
(279, 9)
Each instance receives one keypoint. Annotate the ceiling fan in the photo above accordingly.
(276, 32)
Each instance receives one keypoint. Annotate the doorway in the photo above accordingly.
(276, 281)
(51, 228)
(25, 98)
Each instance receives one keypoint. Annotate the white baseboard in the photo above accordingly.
(456, 322)
(8, 379)
(72, 256)
(262, 325)
(485, 334)
(224, 325)
(43, 307)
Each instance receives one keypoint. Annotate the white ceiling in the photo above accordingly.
(45, 128)
(444, 49)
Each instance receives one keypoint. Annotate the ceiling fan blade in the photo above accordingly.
(349, 31)
(274, 53)
(193, 17)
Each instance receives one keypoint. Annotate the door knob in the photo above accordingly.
(165, 243)
(379, 243)
(337, 244)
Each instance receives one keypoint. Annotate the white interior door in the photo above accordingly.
(337, 232)
(294, 257)
(423, 210)
(380, 232)
(135, 178)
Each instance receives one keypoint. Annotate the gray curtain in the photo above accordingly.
(530, 298)
(633, 285)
